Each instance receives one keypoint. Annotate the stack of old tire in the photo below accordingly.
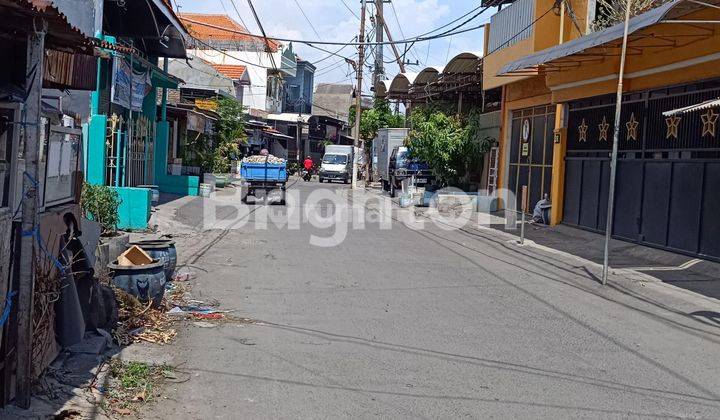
(144, 268)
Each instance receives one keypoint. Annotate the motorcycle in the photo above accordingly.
(305, 174)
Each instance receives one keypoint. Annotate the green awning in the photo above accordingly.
(160, 79)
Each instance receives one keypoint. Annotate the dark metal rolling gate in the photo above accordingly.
(531, 152)
(668, 180)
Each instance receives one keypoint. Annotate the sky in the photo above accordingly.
(332, 20)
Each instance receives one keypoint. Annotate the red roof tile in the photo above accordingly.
(232, 71)
(209, 27)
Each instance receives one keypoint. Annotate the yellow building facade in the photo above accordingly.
(557, 121)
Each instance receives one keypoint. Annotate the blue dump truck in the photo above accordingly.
(402, 167)
(264, 174)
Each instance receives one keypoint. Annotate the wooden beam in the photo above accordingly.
(26, 283)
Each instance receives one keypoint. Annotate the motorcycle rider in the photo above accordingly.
(308, 165)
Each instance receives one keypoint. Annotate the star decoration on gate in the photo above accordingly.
(583, 128)
(672, 126)
(632, 127)
(709, 119)
(604, 126)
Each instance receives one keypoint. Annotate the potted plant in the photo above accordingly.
(99, 204)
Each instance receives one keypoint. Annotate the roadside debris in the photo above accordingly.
(134, 256)
(261, 159)
(141, 322)
(132, 384)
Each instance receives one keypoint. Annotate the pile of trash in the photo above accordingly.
(261, 159)
(141, 322)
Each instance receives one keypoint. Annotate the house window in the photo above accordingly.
(7, 134)
(61, 164)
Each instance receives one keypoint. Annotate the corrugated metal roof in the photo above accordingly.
(428, 75)
(61, 31)
(464, 63)
(595, 39)
(401, 83)
(712, 103)
(382, 87)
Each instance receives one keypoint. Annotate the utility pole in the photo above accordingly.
(398, 57)
(298, 133)
(26, 284)
(358, 91)
(379, 34)
(613, 156)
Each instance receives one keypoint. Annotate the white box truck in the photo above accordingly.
(387, 140)
(337, 163)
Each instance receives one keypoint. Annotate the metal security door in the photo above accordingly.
(531, 152)
(140, 152)
(668, 169)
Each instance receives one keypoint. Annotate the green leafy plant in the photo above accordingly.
(452, 145)
(217, 156)
(230, 133)
(132, 384)
(439, 140)
(612, 12)
(100, 203)
(375, 118)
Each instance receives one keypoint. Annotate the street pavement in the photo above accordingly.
(426, 323)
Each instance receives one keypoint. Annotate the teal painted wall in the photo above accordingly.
(134, 210)
(173, 184)
(96, 150)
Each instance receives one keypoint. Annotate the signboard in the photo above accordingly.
(195, 122)
(206, 104)
(526, 130)
(525, 149)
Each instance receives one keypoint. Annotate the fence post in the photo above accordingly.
(523, 210)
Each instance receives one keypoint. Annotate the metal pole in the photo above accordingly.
(379, 24)
(523, 207)
(616, 137)
(297, 137)
(358, 92)
(131, 127)
(26, 285)
(164, 92)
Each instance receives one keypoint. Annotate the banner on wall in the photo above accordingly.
(122, 79)
(120, 90)
(141, 87)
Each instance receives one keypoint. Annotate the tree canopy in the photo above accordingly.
(375, 118)
(447, 143)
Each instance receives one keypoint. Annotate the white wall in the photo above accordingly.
(257, 64)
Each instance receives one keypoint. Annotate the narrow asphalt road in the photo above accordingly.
(429, 323)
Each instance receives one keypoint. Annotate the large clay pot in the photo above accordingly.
(163, 250)
(146, 282)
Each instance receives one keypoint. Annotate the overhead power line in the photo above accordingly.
(397, 20)
(335, 53)
(308, 42)
(307, 19)
(350, 9)
(264, 35)
(233, 57)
